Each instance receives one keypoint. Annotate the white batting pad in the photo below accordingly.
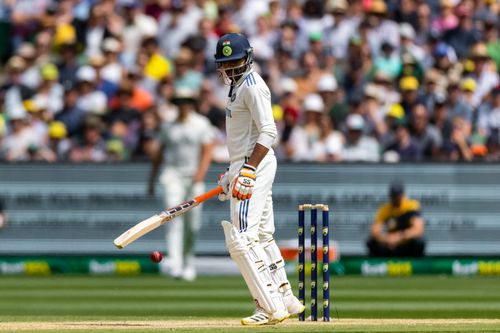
(277, 265)
(251, 260)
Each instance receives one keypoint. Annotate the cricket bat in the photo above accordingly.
(143, 227)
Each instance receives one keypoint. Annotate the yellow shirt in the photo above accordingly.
(157, 67)
(398, 218)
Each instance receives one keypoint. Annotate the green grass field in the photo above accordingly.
(150, 303)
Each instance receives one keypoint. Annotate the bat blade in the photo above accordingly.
(148, 225)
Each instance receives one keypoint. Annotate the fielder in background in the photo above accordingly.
(398, 228)
(186, 150)
(248, 181)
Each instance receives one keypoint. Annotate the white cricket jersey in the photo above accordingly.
(183, 142)
(249, 117)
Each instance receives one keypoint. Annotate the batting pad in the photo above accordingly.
(277, 265)
(251, 261)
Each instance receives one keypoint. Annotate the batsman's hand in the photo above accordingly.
(224, 183)
(243, 184)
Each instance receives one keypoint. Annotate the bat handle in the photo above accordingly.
(209, 194)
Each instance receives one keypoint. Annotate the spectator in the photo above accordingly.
(359, 147)
(427, 137)
(92, 147)
(17, 144)
(403, 145)
(90, 100)
(398, 227)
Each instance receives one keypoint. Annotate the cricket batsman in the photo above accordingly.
(248, 181)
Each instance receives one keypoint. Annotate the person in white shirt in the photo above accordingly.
(247, 183)
(186, 150)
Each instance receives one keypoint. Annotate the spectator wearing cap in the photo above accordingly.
(90, 100)
(31, 74)
(298, 147)
(444, 58)
(336, 36)
(58, 146)
(15, 91)
(109, 88)
(385, 133)
(403, 145)
(380, 27)
(91, 147)
(458, 107)
(359, 147)
(322, 51)
(112, 69)
(467, 88)
(398, 226)
(409, 92)
(388, 60)
(16, 145)
(427, 138)
(410, 67)
(332, 97)
(51, 89)
(465, 34)
(373, 109)
(38, 118)
(408, 45)
(484, 73)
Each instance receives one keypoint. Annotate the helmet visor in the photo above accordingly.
(232, 71)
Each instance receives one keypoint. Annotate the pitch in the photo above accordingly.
(149, 303)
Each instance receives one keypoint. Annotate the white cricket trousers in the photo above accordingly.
(182, 231)
(255, 216)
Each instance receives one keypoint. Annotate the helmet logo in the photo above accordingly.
(227, 50)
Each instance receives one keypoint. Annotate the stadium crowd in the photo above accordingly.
(357, 80)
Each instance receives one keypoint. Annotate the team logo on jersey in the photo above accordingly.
(233, 97)
(227, 50)
(228, 112)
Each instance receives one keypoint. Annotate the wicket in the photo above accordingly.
(314, 260)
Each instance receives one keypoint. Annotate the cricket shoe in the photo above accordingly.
(262, 317)
(293, 305)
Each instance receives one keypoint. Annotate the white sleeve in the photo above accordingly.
(258, 101)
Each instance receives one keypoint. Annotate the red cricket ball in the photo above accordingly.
(156, 256)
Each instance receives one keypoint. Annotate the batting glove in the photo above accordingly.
(243, 184)
(224, 183)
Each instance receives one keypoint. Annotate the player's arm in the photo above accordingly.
(416, 229)
(258, 101)
(377, 230)
(156, 161)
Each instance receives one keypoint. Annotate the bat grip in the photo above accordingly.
(207, 195)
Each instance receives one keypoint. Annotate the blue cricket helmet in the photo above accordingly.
(231, 47)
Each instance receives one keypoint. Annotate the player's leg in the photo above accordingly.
(175, 192)
(277, 263)
(251, 258)
(191, 228)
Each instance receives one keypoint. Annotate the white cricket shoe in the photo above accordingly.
(293, 305)
(262, 317)
(189, 274)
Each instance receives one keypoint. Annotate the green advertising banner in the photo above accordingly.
(346, 266)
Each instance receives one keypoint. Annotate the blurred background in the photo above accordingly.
(363, 91)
